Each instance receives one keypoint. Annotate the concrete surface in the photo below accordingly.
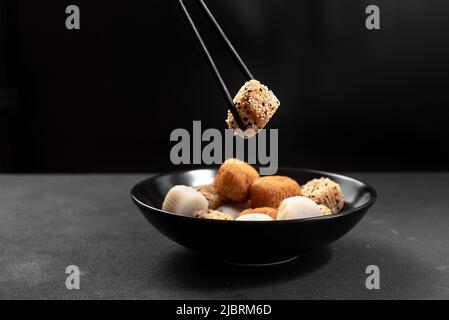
(48, 222)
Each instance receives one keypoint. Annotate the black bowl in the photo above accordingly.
(251, 242)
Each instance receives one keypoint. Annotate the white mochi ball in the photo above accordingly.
(298, 208)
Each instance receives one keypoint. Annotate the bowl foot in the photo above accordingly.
(256, 264)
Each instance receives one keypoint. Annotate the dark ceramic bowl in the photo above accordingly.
(251, 242)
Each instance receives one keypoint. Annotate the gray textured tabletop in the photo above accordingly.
(48, 222)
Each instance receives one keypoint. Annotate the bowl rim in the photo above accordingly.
(369, 203)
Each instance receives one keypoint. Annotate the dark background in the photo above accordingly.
(106, 97)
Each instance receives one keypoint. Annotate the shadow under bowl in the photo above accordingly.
(251, 242)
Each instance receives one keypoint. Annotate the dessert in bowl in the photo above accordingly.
(216, 220)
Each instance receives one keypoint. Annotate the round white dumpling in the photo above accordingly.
(184, 200)
(254, 217)
(298, 208)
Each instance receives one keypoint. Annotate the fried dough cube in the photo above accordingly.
(271, 190)
(255, 104)
(211, 194)
(211, 214)
(326, 192)
(234, 179)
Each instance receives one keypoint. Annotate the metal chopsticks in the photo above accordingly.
(217, 75)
